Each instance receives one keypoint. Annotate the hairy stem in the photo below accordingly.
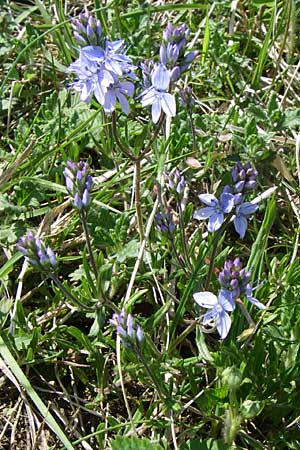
(83, 217)
(138, 208)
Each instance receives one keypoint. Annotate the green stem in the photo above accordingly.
(162, 392)
(193, 130)
(138, 208)
(83, 217)
(245, 312)
(214, 252)
(182, 229)
(70, 296)
(116, 137)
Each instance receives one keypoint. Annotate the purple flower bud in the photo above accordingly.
(139, 334)
(163, 55)
(77, 202)
(250, 185)
(242, 174)
(237, 263)
(234, 283)
(175, 73)
(239, 186)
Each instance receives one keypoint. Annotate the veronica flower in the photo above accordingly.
(157, 95)
(219, 308)
(118, 91)
(243, 211)
(102, 71)
(215, 209)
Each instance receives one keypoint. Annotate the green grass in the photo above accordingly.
(66, 380)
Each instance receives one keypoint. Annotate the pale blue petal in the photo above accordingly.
(205, 299)
(226, 300)
(156, 109)
(160, 78)
(149, 97)
(99, 92)
(168, 104)
(113, 66)
(215, 221)
(208, 199)
(127, 88)
(123, 102)
(240, 225)
(109, 104)
(255, 302)
(209, 316)
(93, 53)
(247, 208)
(223, 323)
(106, 78)
(227, 202)
(204, 213)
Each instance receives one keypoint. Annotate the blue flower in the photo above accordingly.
(103, 72)
(219, 308)
(118, 91)
(215, 209)
(242, 212)
(157, 95)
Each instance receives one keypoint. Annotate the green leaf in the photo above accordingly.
(133, 443)
(28, 390)
(209, 444)
(129, 250)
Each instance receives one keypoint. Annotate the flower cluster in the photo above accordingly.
(102, 68)
(236, 279)
(130, 333)
(174, 182)
(235, 282)
(231, 201)
(173, 62)
(164, 222)
(78, 183)
(36, 252)
(87, 30)
(244, 178)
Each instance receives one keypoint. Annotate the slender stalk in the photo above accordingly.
(154, 136)
(138, 208)
(162, 392)
(183, 335)
(245, 312)
(182, 229)
(214, 251)
(211, 264)
(70, 296)
(83, 217)
(116, 137)
(179, 259)
(193, 129)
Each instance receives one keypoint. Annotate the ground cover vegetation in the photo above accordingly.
(150, 177)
